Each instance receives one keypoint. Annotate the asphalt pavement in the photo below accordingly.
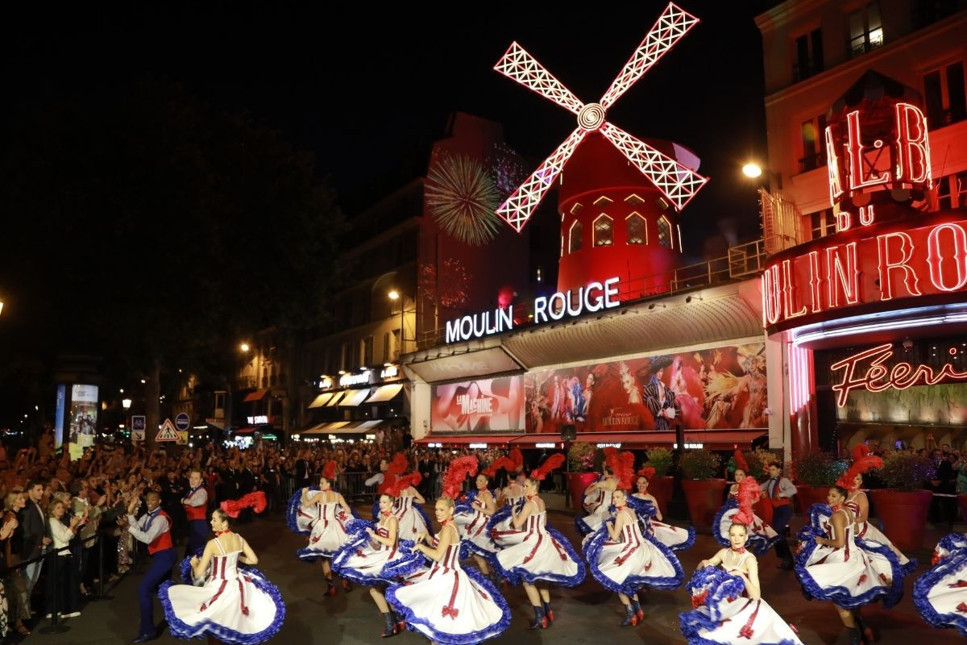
(586, 614)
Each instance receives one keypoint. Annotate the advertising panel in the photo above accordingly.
(719, 388)
(83, 419)
(483, 405)
(59, 416)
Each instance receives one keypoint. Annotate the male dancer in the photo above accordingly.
(154, 529)
(196, 510)
(780, 491)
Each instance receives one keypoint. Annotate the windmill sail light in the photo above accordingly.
(594, 297)
(677, 182)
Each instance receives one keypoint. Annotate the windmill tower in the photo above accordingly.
(620, 200)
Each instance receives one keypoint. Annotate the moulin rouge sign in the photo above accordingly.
(869, 261)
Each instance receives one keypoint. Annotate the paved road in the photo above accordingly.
(587, 614)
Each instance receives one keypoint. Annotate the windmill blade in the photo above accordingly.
(519, 206)
(676, 182)
(670, 27)
(520, 66)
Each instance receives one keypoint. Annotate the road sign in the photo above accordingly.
(182, 421)
(167, 432)
(137, 435)
(139, 422)
(182, 437)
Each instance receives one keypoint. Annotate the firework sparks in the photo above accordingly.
(462, 198)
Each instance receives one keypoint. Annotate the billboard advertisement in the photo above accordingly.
(482, 405)
(59, 410)
(82, 418)
(711, 389)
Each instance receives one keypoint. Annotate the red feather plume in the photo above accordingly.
(551, 463)
(740, 462)
(456, 472)
(398, 466)
(861, 465)
(860, 450)
(403, 482)
(502, 463)
(329, 470)
(749, 492)
(518, 458)
(622, 465)
(647, 472)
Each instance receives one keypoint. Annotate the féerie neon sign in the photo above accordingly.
(879, 377)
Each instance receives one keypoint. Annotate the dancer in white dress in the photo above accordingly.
(330, 513)
(621, 558)
(234, 605)
(597, 500)
(674, 537)
(407, 508)
(848, 571)
(446, 603)
(940, 594)
(534, 553)
(471, 518)
(510, 495)
(374, 557)
(859, 504)
(762, 537)
(726, 596)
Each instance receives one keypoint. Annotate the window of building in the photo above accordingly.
(397, 346)
(944, 199)
(927, 12)
(960, 189)
(813, 144)
(952, 191)
(637, 233)
(387, 357)
(368, 350)
(865, 29)
(665, 233)
(348, 359)
(808, 55)
(822, 223)
(945, 95)
(574, 237)
(603, 231)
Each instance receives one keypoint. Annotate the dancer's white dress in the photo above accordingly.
(674, 537)
(597, 503)
(412, 519)
(762, 537)
(633, 561)
(856, 574)
(724, 614)
(369, 562)
(868, 531)
(328, 531)
(472, 525)
(537, 552)
(940, 594)
(502, 519)
(450, 605)
(235, 605)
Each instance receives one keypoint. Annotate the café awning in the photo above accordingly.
(257, 395)
(354, 398)
(336, 398)
(321, 400)
(385, 392)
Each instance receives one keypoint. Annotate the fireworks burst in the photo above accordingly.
(462, 198)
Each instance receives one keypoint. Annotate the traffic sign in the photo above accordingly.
(139, 422)
(167, 432)
(182, 421)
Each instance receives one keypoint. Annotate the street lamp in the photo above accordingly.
(394, 295)
(781, 227)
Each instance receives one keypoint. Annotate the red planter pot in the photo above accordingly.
(704, 498)
(904, 516)
(576, 483)
(806, 496)
(662, 488)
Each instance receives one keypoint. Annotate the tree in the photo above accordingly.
(160, 232)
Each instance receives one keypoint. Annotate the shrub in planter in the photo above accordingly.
(903, 505)
(660, 459)
(581, 457)
(906, 471)
(758, 461)
(700, 464)
(819, 469)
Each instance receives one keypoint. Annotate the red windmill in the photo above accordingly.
(626, 212)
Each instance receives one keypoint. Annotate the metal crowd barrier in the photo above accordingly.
(354, 489)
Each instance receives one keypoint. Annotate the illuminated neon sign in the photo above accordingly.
(879, 377)
(594, 297)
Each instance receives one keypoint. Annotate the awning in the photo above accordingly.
(354, 398)
(321, 400)
(336, 398)
(460, 440)
(257, 395)
(385, 393)
(711, 439)
(316, 429)
(534, 439)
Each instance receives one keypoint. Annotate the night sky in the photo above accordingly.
(364, 85)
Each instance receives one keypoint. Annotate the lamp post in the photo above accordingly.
(395, 295)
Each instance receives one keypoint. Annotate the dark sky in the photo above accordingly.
(363, 84)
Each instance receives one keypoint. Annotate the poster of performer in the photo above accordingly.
(83, 419)
(490, 404)
(718, 388)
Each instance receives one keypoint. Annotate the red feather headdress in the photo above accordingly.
(403, 482)
(518, 458)
(501, 463)
(329, 470)
(551, 463)
(394, 470)
(623, 466)
(740, 462)
(863, 462)
(455, 473)
(647, 472)
(748, 494)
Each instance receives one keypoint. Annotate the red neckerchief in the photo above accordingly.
(386, 513)
(741, 549)
(447, 522)
(530, 497)
(620, 508)
(221, 533)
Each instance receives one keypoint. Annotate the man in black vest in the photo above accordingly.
(35, 534)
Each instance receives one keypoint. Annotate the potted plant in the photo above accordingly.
(661, 485)
(814, 472)
(581, 459)
(703, 485)
(903, 505)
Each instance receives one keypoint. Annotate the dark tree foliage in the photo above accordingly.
(150, 230)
